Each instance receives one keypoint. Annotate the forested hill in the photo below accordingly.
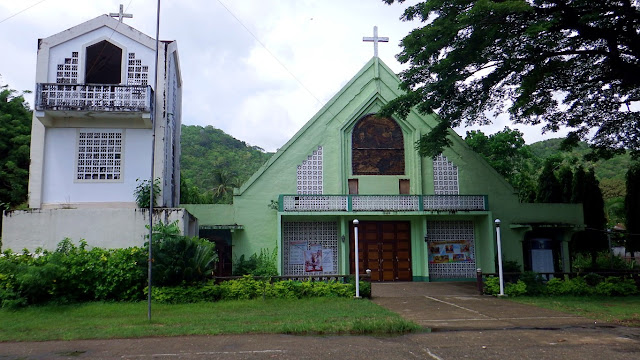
(214, 162)
(614, 168)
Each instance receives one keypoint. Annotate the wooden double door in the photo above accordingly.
(384, 248)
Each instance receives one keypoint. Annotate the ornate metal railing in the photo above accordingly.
(319, 203)
(95, 97)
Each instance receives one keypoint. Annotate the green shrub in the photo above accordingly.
(71, 274)
(179, 259)
(185, 294)
(263, 264)
(593, 279)
(515, 289)
(615, 286)
(533, 281)
(242, 289)
(492, 285)
(142, 192)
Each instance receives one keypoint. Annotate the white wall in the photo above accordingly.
(107, 228)
(58, 53)
(59, 184)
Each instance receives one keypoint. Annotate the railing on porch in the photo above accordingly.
(94, 97)
(348, 203)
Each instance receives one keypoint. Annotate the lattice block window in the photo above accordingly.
(137, 74)
(302, 239)
(445, 176)
(67, 73)
(451, 246)
(310, 174)
(99, 156)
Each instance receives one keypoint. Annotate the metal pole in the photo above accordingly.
(355, 234)
(153, 152)
(500, 276)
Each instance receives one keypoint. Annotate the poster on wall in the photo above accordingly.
(327, 260)
(313, 258)
(453, 251)
(296, 252)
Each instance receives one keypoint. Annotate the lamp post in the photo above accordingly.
(355, 235)
(500, 276)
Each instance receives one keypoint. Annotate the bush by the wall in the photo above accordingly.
(180, 259)
(263, 264)
(492, 287)
(248, 287)
(71, 273)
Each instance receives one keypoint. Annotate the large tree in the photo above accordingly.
(507, 153)
(572, 63)
(15, 135)
(632, 208)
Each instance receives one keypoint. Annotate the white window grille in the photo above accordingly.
(137, 74)
(309, 174)
(99, 156)
(445, 177)
(441, 233)
(67, 73)
(298, 237)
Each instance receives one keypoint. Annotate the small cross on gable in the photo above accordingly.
(375, 39)
(121, 15)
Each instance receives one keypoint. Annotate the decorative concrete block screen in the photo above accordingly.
(67, 73)
(451, 249)
(301, 240)
(99, 155)
(310, 174)
(137, 74)
(445, 176)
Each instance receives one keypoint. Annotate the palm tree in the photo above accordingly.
(225, 182)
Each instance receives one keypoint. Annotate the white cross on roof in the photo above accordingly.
(375, 39)
(121, 15)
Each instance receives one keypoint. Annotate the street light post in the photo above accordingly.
(355, 235)
(500, 275)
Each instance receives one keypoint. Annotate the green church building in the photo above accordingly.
(420, 219)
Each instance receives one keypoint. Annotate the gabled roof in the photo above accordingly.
(96, 23)
(386, 89)
(374, 66)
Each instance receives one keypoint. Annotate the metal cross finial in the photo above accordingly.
(375, 39)
(120, 15)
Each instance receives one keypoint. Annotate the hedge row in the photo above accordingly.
(590, 284)
(249, 288)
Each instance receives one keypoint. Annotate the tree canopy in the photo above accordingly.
(561, 63)
(15, 137)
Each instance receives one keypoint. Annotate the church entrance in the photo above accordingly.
(384, 248)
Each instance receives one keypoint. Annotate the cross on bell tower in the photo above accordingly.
(121, 15)
(375, 39)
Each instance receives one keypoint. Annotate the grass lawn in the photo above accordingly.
(619, 310)
(128, 320)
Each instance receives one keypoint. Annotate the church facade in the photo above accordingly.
(420, 219)
(91, 137)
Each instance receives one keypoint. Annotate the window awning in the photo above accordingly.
(222, 227)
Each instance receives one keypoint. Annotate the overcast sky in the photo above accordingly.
(257, 69)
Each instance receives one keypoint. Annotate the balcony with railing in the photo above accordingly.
(84, 100)
(384, 203)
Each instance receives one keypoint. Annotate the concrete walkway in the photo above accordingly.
(458, 306)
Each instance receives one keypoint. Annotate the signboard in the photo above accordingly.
(296, 252)
(453, 251)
